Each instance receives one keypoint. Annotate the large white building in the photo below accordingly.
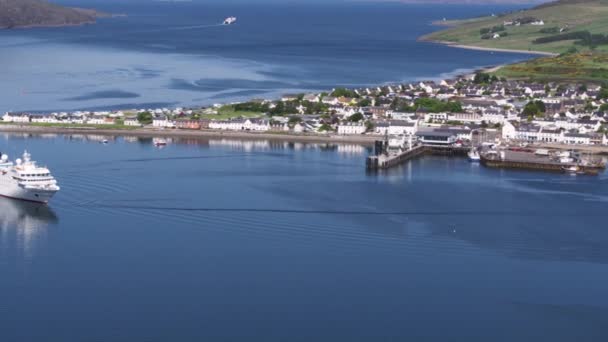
(351, 128)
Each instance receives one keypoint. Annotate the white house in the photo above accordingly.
(17, 118)
(257, 125)
(400, 127)
(227, 125)
(428, 117)
(576, 139)
(351, 128)
(132, 122)
(45, 119)
(100, 120)
(163, 122)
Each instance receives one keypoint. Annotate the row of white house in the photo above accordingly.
(389, 127)
(536, 133)
(53, 119)
(257, 125)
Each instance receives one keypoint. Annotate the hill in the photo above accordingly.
(31, 13)
(555, 27)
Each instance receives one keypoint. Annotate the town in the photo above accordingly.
(516, 111)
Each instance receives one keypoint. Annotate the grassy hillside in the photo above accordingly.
(567, 15)
(27, 13)
(585, 66)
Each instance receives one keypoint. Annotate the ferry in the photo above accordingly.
(25, 180)
(229, 21)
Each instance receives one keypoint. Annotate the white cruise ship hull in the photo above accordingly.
(10, 189)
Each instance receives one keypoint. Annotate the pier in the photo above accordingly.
(385, 160)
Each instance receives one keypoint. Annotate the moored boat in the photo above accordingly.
(473, 155)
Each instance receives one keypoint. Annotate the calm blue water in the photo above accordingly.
(223, 240)
(175, 53)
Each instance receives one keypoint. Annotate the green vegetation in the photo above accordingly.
(325, 128)
(234, 111)
(534, 108)
(364, 103)
(356, 117)
(437, 106)
(431, 105)
(484, 78)
(589, 16)
(584, 38)
(343, 92)
(145, 118)
(582, 66)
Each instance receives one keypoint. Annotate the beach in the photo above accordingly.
(479, 48)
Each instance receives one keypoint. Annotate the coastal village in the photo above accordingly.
(520, 111)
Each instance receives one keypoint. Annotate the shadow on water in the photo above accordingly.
(24, 226)
(25, 214)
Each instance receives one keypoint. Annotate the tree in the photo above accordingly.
(145, 118)
(356, 117)
(369, 126)
(343, 92)
(294, 120)
(325, 128)
(364, 103)
(534, 108)
(604, 107)
(603, 94)
(481, 78)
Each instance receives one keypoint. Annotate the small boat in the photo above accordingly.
(574, 169)
(229, 21)
(104, 141)
(474, 155)
(159, 142)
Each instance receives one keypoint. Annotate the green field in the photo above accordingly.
(576, 15)
(584, 66)
(227, 112)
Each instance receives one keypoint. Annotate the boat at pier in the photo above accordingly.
(25, 180)
(473, 155)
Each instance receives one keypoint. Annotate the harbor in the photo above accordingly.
(503, 155)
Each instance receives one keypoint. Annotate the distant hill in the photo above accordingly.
(555, 27)
(32, 13)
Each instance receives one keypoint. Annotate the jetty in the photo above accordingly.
(384, 158)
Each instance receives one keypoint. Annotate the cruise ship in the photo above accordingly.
(229, 20)
(24, 180)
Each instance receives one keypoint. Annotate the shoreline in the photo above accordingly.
(177, 133)
(488, 49)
